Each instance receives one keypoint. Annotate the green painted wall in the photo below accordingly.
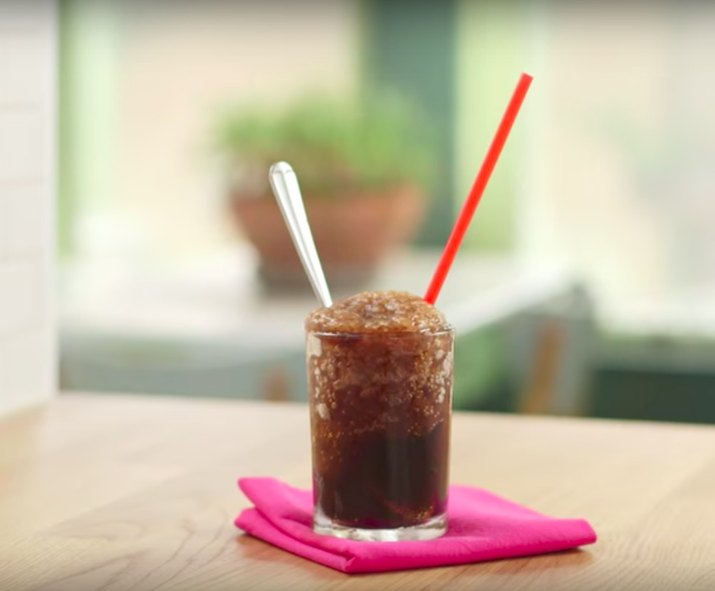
(458, 60)
(88, 95)
(489, 59)
(409, 46)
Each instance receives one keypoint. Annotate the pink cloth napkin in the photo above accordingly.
(482, 526)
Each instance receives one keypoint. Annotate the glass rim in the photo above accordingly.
(448, 330)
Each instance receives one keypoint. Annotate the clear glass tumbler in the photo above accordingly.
(380, 408)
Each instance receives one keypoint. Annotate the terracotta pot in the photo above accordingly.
(353, 234)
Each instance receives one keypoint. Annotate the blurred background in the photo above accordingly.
(586, 284)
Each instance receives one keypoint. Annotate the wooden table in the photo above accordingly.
(138, 493)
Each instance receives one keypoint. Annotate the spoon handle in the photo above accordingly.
(287, 192)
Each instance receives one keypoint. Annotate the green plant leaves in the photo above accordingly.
(335, 147)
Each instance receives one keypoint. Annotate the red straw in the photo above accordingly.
(475, 193)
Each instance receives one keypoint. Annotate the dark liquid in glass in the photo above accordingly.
(380, 412)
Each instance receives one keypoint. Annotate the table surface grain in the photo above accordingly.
(119, 492)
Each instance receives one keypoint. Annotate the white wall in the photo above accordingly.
(27, 138)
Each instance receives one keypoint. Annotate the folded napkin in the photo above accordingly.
(481, 526)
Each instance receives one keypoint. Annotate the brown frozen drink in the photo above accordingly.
(380, 390)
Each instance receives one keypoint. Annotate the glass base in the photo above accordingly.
(429, 530)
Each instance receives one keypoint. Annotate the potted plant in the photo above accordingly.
(362, 170)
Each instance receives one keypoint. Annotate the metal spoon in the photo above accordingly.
(287, 192)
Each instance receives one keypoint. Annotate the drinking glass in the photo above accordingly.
(380, 409)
